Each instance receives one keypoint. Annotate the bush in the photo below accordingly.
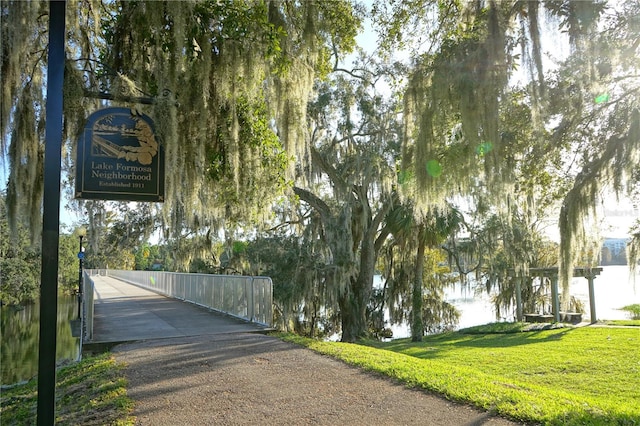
(19, 280)
(634, 310)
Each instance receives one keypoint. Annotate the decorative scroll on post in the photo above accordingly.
(119, 157)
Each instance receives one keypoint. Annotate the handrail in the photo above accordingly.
(246, 297)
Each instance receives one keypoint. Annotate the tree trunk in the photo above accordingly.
(353, 324)
(352, 236)
(417, 326)
(354, 305)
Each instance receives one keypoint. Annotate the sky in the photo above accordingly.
(619, 216)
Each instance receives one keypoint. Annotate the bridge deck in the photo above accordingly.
(124, 312)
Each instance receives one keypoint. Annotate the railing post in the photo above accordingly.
(252, 313)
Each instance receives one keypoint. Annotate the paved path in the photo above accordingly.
(124, 312)
(253, 379)
(188, 366)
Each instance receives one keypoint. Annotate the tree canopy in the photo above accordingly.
(485, 60)
(231, 80)
(477, 119)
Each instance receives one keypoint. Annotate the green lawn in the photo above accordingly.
(91, 392)
(628, 322)
(587, 375)
(565, 376)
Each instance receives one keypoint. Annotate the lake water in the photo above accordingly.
(614, 288)
(20, 335)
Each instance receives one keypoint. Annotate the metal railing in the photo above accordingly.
(245, 297)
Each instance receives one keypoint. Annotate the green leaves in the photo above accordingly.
(19, 262)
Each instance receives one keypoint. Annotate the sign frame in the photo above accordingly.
(119, 157)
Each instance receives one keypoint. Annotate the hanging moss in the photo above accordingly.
(633, 249)
(22, 110)
(209, 56)
(610, 151)
(455, 142)
(462, 83)
(218, 59)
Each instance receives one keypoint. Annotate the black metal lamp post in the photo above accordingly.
(81, 233)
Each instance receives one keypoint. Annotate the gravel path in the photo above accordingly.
(241, 379)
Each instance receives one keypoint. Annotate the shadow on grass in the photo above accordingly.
(510, 340)
(433, 346)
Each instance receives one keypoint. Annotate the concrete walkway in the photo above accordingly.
(124, 312)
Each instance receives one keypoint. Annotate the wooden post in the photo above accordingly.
(555, 300)
(592, 297)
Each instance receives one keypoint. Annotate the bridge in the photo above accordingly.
(121, 306)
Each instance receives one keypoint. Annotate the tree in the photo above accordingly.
(302, 300)
(412, 270)
(146, 256)
(19, 263)
(237, 76)
(352, 259)
(68, 263)
(438, 314)
(502, 250)
(354, 133)
(633, 248)
(583, 115)
(114, 231)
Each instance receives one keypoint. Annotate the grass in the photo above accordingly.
(556, 376)
(563, 376)
(91, 392)
(510, 327)
(626, 323)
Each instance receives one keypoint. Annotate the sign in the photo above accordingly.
(119, 157)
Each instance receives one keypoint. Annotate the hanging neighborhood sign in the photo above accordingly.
(119, 158)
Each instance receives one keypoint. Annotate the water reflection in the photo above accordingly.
(19, 340)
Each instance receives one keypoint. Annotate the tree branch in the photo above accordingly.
(314, 201)
(331, 171)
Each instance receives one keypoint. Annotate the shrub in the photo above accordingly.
(634, 310)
